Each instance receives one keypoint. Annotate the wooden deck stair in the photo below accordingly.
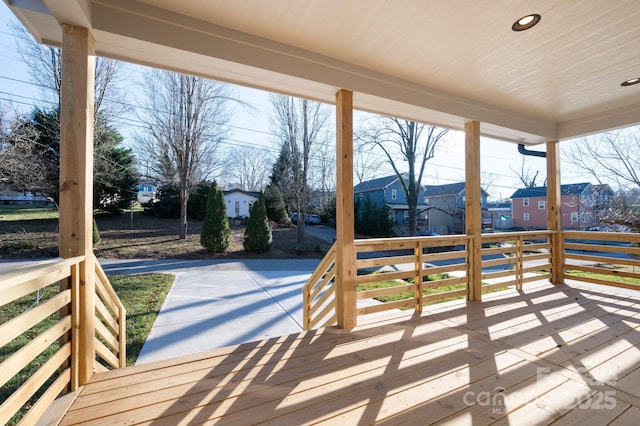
(518, 357)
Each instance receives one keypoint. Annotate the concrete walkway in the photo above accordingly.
(213, 304)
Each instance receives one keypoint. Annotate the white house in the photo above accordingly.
(238, 202)
(146, 193)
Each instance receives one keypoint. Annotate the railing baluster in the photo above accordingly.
(420, 273)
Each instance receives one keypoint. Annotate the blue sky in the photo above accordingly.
(251, 128)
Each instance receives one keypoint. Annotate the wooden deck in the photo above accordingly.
(549, 354)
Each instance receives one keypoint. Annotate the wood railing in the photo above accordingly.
(407, 273)
(613, 256)
(39, 343)
(319, 294)
(402, 269)
(110, 341)
(518, 257)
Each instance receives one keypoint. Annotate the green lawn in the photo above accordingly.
(614, 278)
(142, 296)
(27, 213)
(407, 295)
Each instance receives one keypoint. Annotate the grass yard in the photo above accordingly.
(13, 213)
(142, 296)
(615, 278)
(410, 295)
(34, 234)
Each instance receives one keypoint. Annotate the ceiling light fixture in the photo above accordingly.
(630, 82)
(526, 22)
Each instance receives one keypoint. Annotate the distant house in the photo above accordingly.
(238, 202)
(581, 204)
(20, 198)
(146, 193)
(388, 190)
(446, 208)
(500, 214)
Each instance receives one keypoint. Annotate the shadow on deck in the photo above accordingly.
(534, 357)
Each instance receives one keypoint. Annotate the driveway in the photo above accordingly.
(213, 304)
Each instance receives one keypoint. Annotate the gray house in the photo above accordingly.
(446, 208)
(388, 190)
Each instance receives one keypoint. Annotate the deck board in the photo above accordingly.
(457, 363)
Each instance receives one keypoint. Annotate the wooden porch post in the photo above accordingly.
(345, 247)
(473, 209)
(76, 179)
(554, 212)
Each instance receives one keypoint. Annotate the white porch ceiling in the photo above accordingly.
(441, 62)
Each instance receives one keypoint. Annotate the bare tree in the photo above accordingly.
(487, 180)
(613, 157)
(407, 145)
(21, 164)
(527, 176)
(186, 122)
(298, 123)
(44, 63)
(366, 163)
(248, 167)
(324, 172)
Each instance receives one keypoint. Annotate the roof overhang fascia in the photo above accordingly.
(144, 34)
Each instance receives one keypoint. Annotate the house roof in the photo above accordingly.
(558, 80)
(541, 191)
(375, 184)
(441, 190)
(250, 193)
(447, 189)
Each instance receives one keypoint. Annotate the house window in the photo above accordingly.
(426, 200)
(406, 215)
(237, 208)
(574, 216)
(541, 205)
(394, 194)
(525, 202)
(361, 195)
(526, 216)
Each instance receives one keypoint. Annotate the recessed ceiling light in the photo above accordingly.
(630, 82)
(526, 22)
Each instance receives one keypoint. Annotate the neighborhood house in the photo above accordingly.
(582, 204)
(239, 202)
(146, 193)
(446, 208)
(388, 190)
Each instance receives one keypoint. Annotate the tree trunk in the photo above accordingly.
(413, 212)
(183, 215)
(300, 228)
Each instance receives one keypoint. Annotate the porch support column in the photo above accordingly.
(76, 180)
(473, 209)
(345, 247)
(554, 212)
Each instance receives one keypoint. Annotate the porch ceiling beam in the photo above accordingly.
(76, 177)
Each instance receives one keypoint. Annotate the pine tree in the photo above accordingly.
(216, 235)
(257, 236)
(274, 203)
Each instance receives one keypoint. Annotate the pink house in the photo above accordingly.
(581, 203)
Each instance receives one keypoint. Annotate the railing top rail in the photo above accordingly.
(36, 269)
(102, 276)
(609, 236)
(545, 232)
(444, 238)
